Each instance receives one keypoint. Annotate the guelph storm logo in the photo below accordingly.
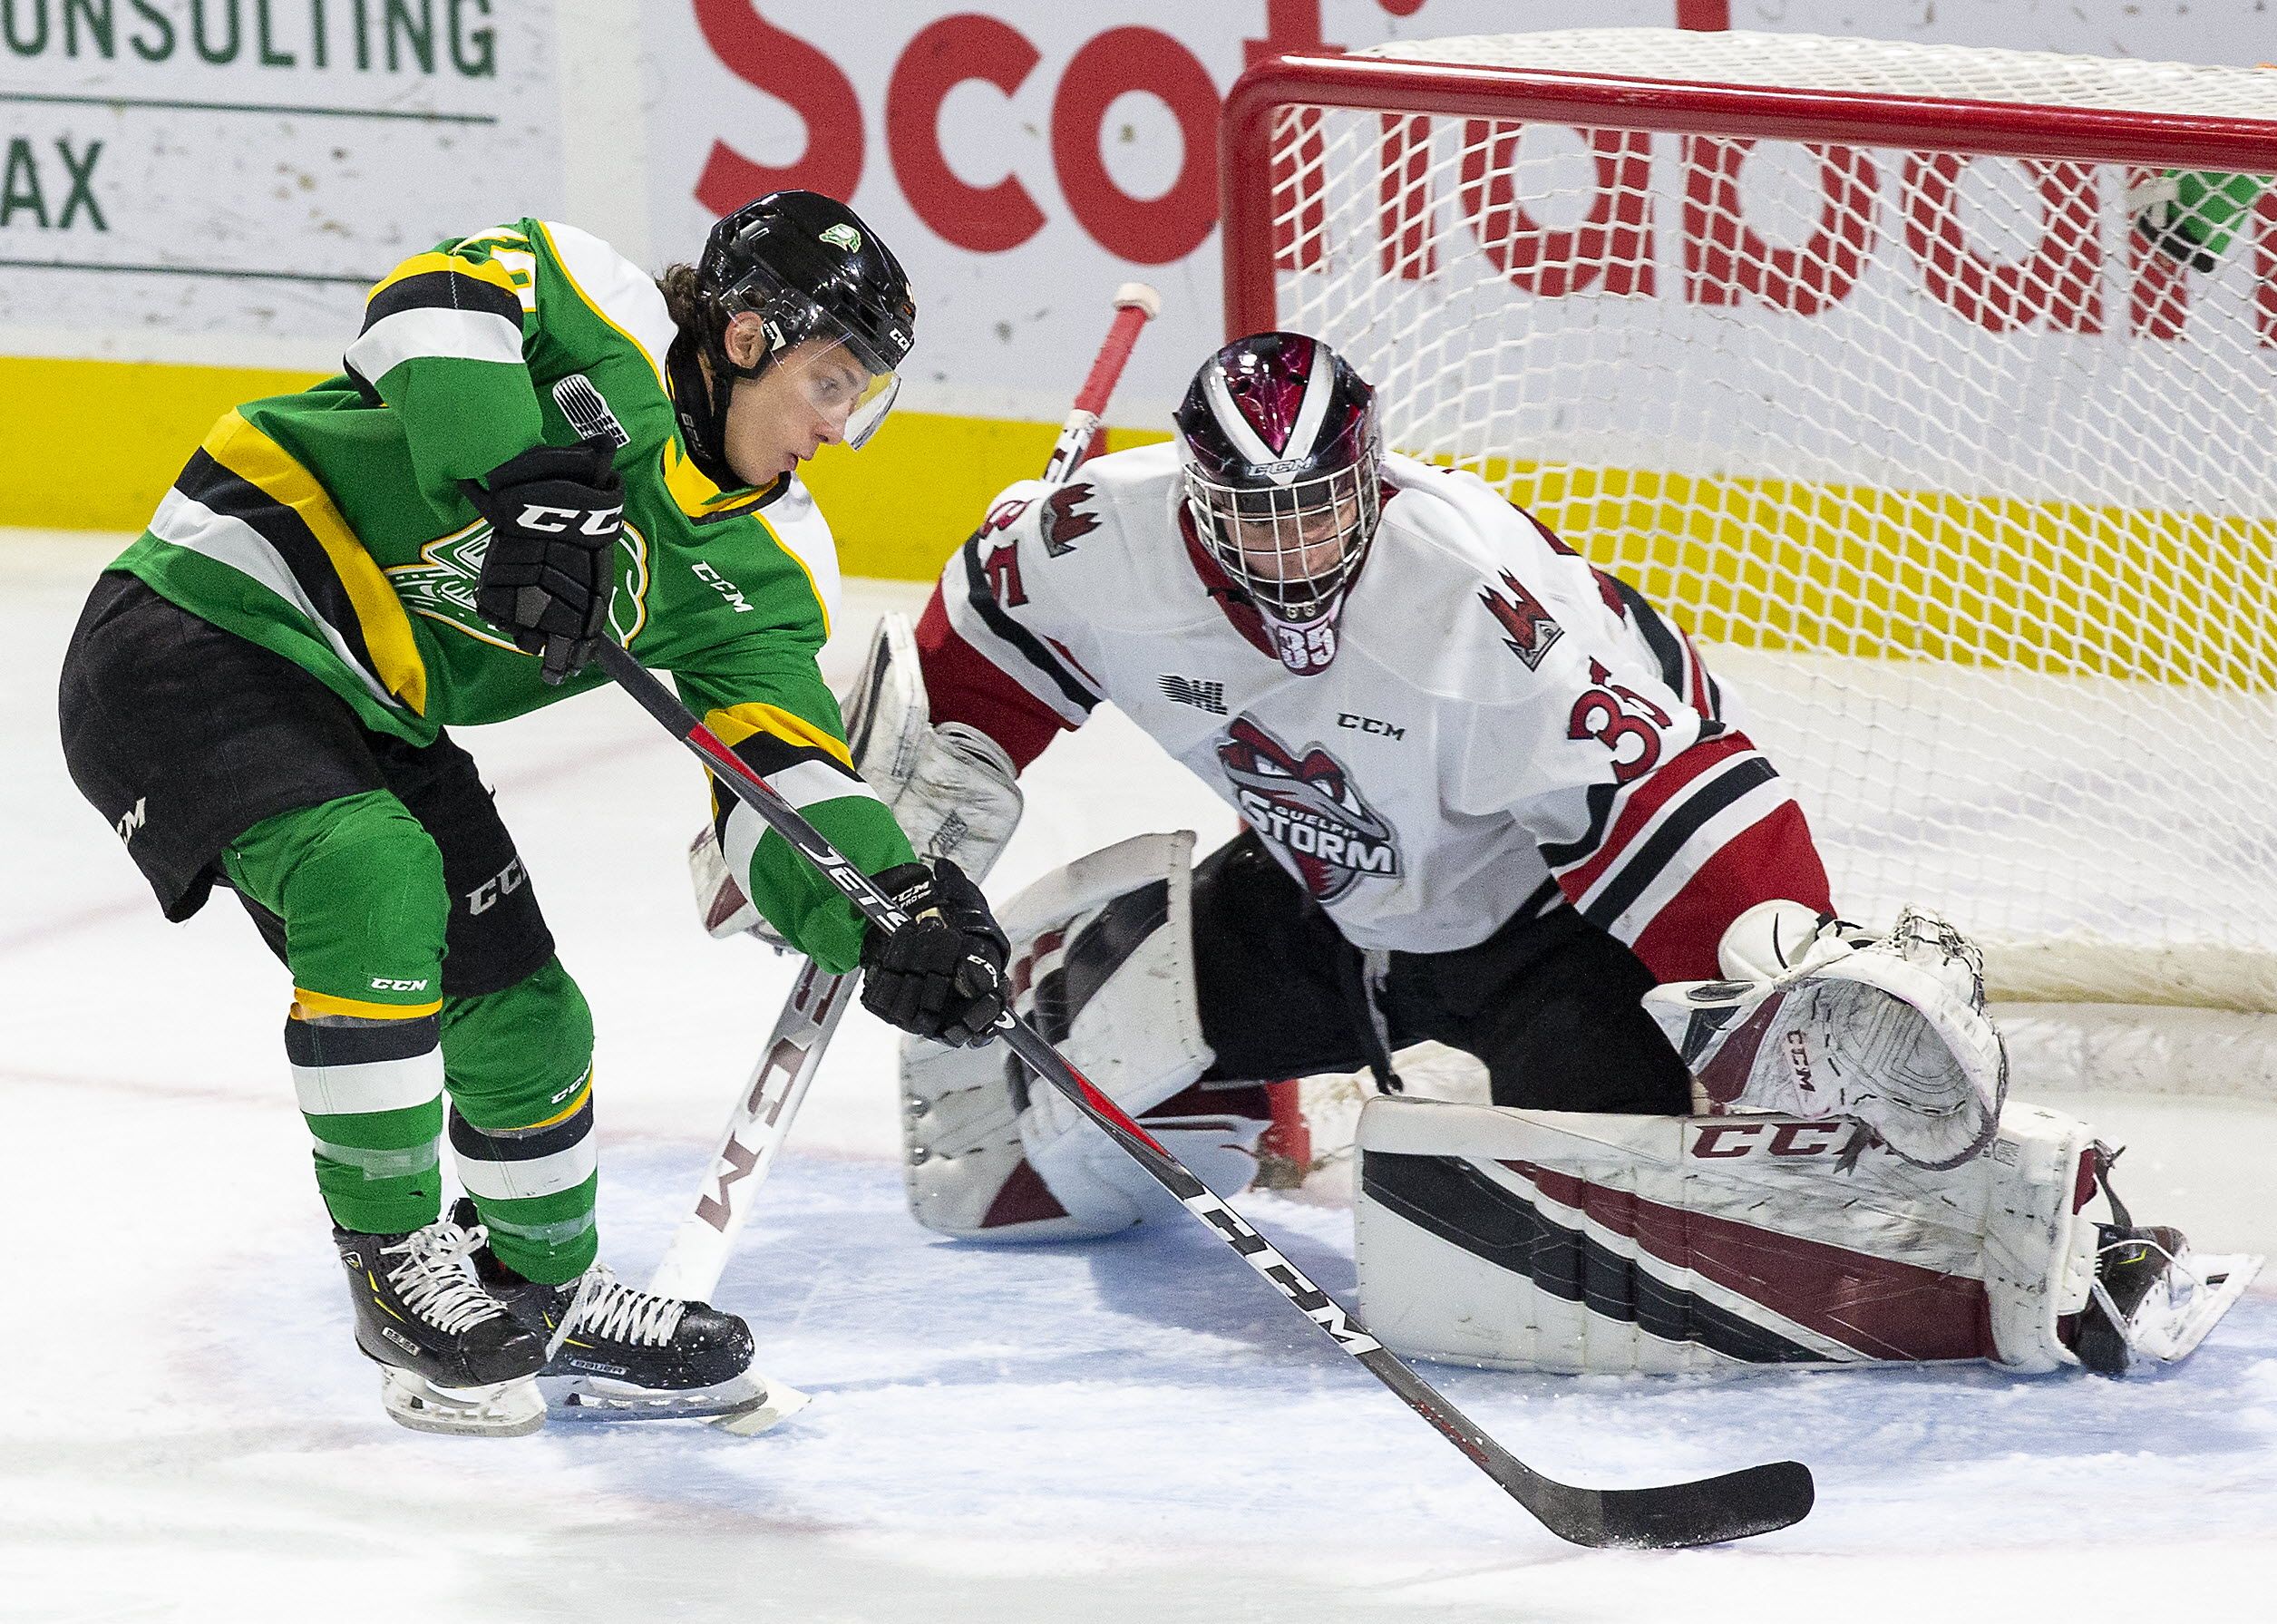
(1307, 807)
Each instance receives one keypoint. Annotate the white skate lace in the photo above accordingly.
(619, 1312)
(435, 1279)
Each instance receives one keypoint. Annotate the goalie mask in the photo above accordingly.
(1282, 458)
(826, 296)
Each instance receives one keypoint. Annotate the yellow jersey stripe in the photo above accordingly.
(420, 265)
(737, 723)
(575, 1105)
(269, 468)
(307, 1003)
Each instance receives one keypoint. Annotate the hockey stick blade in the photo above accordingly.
(1738, 1505)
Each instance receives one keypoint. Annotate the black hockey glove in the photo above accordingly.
(942, 975)
(555, 511)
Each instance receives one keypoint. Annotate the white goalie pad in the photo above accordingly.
(1565, 1242)
(1892, 1034)
(952, 788)
(1102, 963)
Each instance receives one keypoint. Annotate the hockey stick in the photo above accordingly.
(1706, 1513)
(760, 1119)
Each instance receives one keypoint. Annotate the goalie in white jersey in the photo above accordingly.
(1494, 799)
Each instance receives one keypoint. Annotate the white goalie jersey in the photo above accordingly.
(1501, 726)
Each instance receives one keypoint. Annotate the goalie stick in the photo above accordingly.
(1751, 1500)
(761, 1118)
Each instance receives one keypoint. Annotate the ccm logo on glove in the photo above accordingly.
(555, 513)
(590, 521)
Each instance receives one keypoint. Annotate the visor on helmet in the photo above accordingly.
(840, 374)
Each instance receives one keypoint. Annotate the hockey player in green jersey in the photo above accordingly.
(532, 446)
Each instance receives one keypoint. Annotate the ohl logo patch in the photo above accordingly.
(1307, 806)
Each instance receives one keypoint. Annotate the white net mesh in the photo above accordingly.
(1964, 483)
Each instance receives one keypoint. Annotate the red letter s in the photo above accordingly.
(791, 71)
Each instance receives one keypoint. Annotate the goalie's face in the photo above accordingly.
(1294, 549)
(1279, 443)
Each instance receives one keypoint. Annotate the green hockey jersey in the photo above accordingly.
(329, 527)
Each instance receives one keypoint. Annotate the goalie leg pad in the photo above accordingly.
(1556, 1240)
(1103, 964)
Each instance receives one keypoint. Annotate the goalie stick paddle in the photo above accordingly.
(760, 1119)
(1709, 1511)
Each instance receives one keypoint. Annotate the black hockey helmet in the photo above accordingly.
(1283, 455)
(804, 267)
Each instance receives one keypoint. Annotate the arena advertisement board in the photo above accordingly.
(211, 183)
(221, 180)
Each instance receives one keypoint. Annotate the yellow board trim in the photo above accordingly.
(307, 1003)
(740, 722)
(420, 265)
(266, 466)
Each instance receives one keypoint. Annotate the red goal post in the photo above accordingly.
(1851, 356)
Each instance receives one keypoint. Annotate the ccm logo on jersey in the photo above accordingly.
(1382, 730)
(383, 984)
(1768, 1136)
(720, 584)
(553, 522)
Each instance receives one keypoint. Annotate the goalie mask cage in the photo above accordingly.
(1854, 356)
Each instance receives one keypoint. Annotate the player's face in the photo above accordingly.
(801, 403)
(1300, 546)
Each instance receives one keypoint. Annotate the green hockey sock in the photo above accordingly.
(520, 1073)
(371, 1092)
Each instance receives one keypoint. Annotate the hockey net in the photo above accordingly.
(1860, 357)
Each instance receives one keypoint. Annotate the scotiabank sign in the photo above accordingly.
(1024, 157)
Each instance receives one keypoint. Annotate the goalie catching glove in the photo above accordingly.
(555, 512)
(1823, 1019)
(940, 975)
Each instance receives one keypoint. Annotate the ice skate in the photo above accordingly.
(623, 1354)
(451, 1359)
(2153, 1299)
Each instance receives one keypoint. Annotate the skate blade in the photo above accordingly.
(2199, 1289)
(501, 1410)
(754, 1400)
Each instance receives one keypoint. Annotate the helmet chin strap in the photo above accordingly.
(701, 404)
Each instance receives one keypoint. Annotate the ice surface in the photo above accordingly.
(1132, 1430)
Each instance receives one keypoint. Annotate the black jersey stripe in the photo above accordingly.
(230, 494)
(308, 1044)
(1030, 647)
(521, 1145)
(1601, 800)
(440, 290)
(1701, 802)
(1506, 1229)
(1668, 648)
(766, 754)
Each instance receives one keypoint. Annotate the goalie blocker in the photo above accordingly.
(1548, 1240)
